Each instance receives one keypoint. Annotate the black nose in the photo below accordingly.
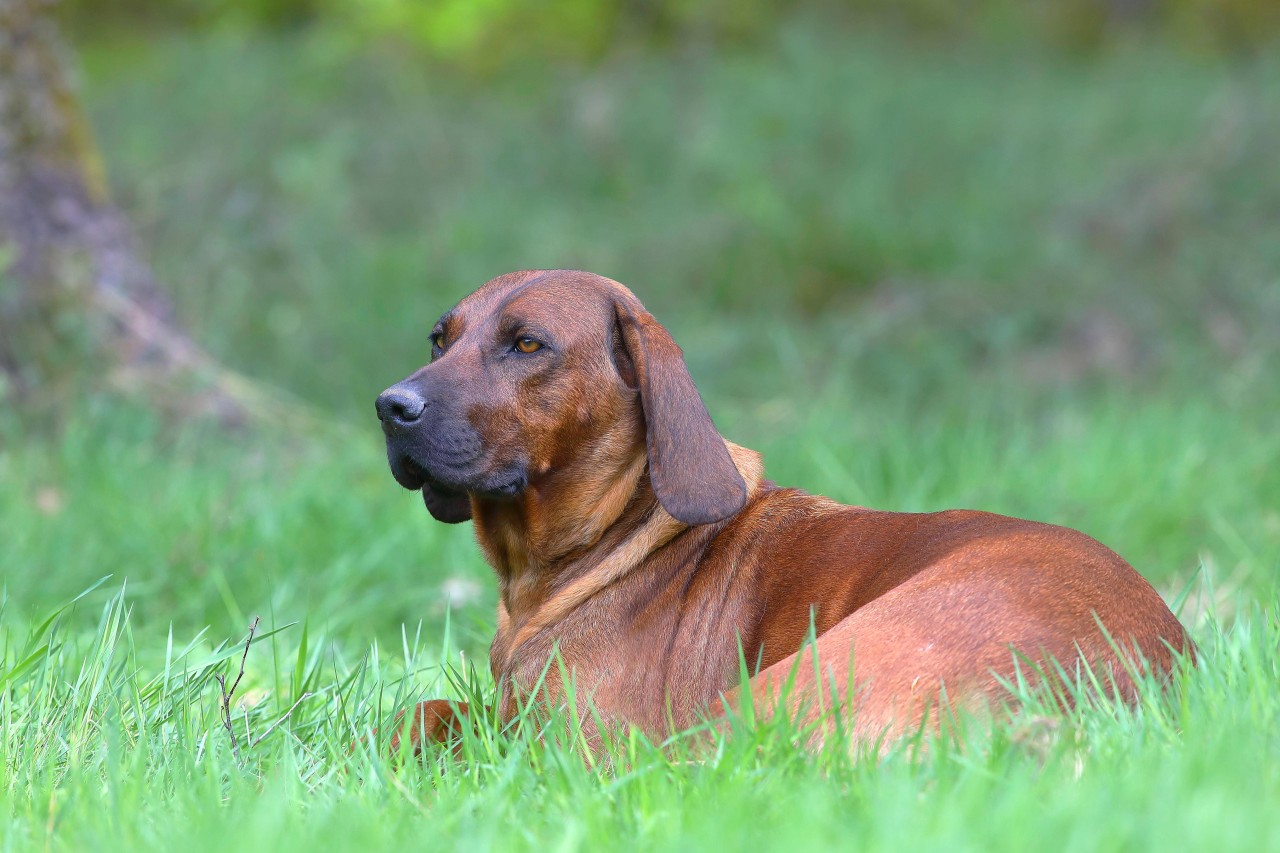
(399, 405)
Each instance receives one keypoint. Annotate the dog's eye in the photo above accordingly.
(527, 345)
(437, 341)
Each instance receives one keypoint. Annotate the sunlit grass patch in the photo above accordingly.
(108, 738)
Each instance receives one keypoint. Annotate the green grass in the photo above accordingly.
(913, 279)
(104, 749)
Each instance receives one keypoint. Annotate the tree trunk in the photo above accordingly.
(73, 289)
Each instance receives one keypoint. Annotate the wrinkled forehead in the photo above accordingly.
(567, 302)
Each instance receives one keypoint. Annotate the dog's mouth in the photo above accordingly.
(413, 476)
(507, 488)
(408, 473)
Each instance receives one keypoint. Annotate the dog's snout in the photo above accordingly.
(400, 405)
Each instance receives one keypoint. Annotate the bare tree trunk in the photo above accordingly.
(73, 287)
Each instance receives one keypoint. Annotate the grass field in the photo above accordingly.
(914, 278)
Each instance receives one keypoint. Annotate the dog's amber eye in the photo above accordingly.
(527, 345)
(437, 340)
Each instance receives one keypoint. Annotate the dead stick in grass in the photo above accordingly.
(227, 694)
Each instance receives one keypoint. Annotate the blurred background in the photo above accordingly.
(1019, 256)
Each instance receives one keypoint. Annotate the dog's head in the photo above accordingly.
(528, 375)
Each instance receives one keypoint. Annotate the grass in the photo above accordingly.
(1019, 283)
(103, 750)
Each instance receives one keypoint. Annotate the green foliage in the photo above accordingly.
(488, 34)
(912, 279)
(1020, 218)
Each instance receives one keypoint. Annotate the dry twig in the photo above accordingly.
(228, 694)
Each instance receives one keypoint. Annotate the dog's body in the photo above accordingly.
(630, 539)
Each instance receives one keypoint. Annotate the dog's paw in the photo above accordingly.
(436, 721)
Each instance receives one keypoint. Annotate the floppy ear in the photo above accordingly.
(690, 468)
(449, 507)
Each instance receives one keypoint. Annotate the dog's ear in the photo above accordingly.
(449, 507)
(690, 469)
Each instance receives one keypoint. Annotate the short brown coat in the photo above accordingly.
(650, 553)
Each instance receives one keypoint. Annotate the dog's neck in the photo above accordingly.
(562, 513)
(568, 538)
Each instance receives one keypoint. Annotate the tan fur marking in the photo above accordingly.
(600, 499)
(750, 465)
(659, 529)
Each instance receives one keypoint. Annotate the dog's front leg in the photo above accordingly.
(438, 721)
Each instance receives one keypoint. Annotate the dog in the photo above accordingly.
(653, 556)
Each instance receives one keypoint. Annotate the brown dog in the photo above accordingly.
(627, 535)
